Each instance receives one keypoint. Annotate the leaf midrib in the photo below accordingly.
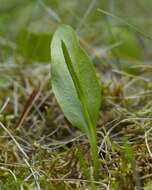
(77, 85)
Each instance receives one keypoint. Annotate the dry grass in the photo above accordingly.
(40, 150)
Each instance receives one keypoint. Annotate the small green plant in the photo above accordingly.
(75, 85)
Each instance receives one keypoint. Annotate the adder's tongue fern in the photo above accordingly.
(75, 85)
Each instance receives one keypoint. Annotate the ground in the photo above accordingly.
(39, 148)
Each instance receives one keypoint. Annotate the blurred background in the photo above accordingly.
(117, 36)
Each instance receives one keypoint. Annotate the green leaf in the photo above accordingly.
(34, 46)
(75, 84)
(4, 83)
(130, 47)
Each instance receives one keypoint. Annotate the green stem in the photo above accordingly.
(94, 151)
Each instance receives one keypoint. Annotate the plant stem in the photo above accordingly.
(94, 152)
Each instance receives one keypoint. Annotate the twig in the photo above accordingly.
(28, 107)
